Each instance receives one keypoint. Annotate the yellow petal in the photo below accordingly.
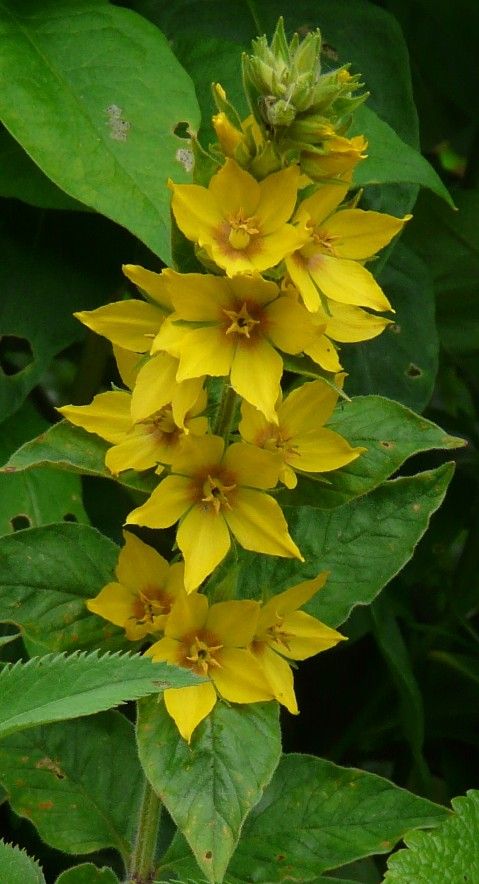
(128, 364)
(359, 235)
(351, 324)
(166, 650)
(261, 362)
(187, 616)
(322, 203)
(165, 505)
(140, 451)
(253, 425)
(307, 407)
(233, 188)
(139, 565)
(252, 466)
(301, 278)
(196, 211)
(288, 325)
(207, 351)
(306, 637)
(322, 451)
(154, 284)
(199, 297)
(280, 678)
(239, 678)
(130, 324)
(108, 415)
(274, 247)
(285, 603)
(258, 524)
(198, 454)
(186, 397)
(347, 282)
(154, 386)
(278, 194)
(114, 603)
(234, 622)
(253, 288)
(324, 353)
(204, 540)
(189, 706)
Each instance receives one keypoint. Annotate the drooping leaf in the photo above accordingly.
(80, 783)
(72, 448)
(402, 362)
(119, 124)
(17, 867)
(57, 687)
(41, 496)
(209, 787)
(87, 873)
(390, 433)
(363, 545)
(449, 855)
(46, 576)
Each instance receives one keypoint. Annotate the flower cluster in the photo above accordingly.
(202, 355)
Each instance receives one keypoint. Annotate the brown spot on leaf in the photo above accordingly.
(280, 858)
(52, 766)
(208, 854)
(416, 507)
(385, 444)
(45, 805)
(413, 371)
(9, 470)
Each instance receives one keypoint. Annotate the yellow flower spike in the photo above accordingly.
(232, 327)
(212, 642)
(299, 437)
(147, 588)
(329, 263)
(284, 631)
(215, 492)
(240, 222)
(137, 446)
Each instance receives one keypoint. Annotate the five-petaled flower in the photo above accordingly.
(215, 491)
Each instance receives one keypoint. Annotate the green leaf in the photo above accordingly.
(58, 687)
(87, 873)
(72, 448)
(46, 576)
(209, 786)
(363, 545)
(41, 496)
(21, 178)
(121, 121)
(391, 160)
(402, 362)
(390, 432)
(79, 783)
(316, 816)
(449, 855)
(17, 867)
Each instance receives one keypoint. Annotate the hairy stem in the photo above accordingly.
(142, 867)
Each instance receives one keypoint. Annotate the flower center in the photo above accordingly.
(201, 653)
(277, 634)
(275, 438)
(216, 494)
(241, 321)
(324, 240)
(151, 603)
(162, 426)
(241, 230)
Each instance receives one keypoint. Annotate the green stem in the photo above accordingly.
(142, 867)
(226, 412)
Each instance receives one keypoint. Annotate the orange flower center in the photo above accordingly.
(276, 438)
(151, 602)
(241, 229)
(241, 321)
(215, 494)
(162, 426)
(200, 650)
(324, 240)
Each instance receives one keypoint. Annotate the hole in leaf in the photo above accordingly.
(70, 517)
(413, 371)
(15, 354)
(182, 130)
(208, 854)
(18, 523)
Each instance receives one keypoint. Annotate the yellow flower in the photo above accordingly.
(214, 492)
(330, 262)
(147, 587)
(299, 437)
(232, 327)
(337, 158)
(240, 222)
(156, 387)
(136, 446)
(285, 632)
(132, 324)
(211, 642)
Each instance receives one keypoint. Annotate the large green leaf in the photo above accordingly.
(315, 816)
(80, 783)
(57, 687)
(390, 433)
(210, 786)
(363, 545)
(46, 576)
(87, 873)
(21, 178)
(449, 855)
(72, 448)
(17, 867)
(402, 362)
(40, 496)
(102, 125)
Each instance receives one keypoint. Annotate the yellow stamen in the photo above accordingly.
(201, 655)
(241, 230)
(215, 494)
